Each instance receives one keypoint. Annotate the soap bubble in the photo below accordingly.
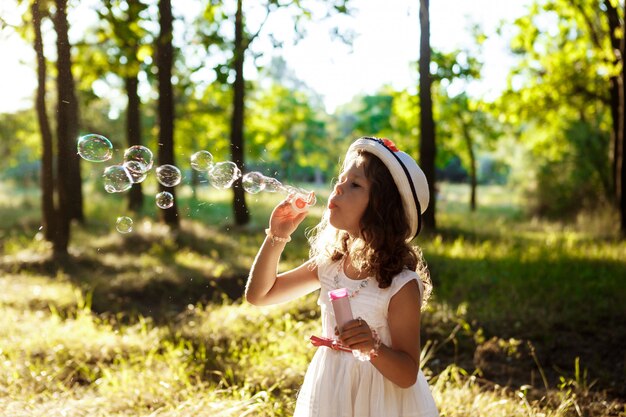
(95, 148)
(168, 175)
(164, 200)
(137, 171)
(117, 179)
(138, 159)
(272, 185)
(124, 224)
(202, 161)
(224, 174)
(253, 182)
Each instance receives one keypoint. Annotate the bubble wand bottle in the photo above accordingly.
(255, 182)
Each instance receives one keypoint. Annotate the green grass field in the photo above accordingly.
(527, 317)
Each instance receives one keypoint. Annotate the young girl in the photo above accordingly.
(362, 244)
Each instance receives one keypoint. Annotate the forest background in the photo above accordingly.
(524, 239)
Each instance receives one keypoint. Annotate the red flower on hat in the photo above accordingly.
(389, 144)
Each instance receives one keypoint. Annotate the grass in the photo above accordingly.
(526, 317)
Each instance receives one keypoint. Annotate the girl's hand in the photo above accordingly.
(284, 220)
(357, 334)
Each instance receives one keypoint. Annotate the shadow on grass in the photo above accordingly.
(530, 312)
(142, 275)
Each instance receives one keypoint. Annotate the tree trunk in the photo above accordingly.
(166, 102)
(67, 126)
(236, 130)
(473, 175)
(615, 133)
(133, 134)
(47, 171)
(621, 146)
(428, 148)
(614, 100)
(67, 129)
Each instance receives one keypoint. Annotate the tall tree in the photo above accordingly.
(68, 118)
(571, 75)
(615, 25)
(68, 169)
(242, 42)
(620, 154)
(164, 60)
(127, 37)
(428, 148)
(459, 114)
(47, 170)
(242, 216)
(615, 100)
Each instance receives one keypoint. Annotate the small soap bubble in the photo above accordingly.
(124, 224)
(138, 159)
(164, 200)
(253, 182)
(95, 148)
(202, 161)
(224, 174)
(117, 179)
(168, 175)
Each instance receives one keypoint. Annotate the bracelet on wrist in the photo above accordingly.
(276, 239)
(377, 342)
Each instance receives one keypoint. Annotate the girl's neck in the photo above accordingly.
(351, 271)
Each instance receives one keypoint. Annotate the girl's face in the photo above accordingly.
(350, 198)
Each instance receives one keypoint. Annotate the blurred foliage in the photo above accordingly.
(558, 101)
(547, 134)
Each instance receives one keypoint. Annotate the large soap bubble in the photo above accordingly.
(168, 175)
(202, 161)
(224, 174)
(117, 179)
(124, 224)
(164, 200)
(95, 148)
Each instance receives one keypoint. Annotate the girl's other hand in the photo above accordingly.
(357, 335)
(284, 220)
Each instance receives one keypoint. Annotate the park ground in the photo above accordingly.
(527, 316)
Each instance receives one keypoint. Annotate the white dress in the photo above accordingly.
(338, 385)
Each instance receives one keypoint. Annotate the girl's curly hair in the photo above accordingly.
(382, 247)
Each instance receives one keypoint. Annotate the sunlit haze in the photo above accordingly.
(384, 52)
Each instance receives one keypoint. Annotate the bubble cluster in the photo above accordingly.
(124, 224)
(138, 161)
(95, 148)
(202, 161)
(224, 174)
(168, 175)
(164, 200)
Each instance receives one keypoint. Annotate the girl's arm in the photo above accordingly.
(400, 362)
(264, 286)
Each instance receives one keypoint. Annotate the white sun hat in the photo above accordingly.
(408, 176)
